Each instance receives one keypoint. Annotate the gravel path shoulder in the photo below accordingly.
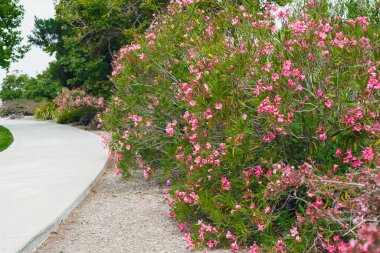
(118, 216)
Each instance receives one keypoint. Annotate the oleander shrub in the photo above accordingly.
(19, 107)
(264, 122)
(46, 111)
(76, 106)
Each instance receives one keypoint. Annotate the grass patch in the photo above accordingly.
(6, 138)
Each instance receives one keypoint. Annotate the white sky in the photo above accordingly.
(35, 61)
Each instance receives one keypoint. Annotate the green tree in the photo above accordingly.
(43, 87)
(85, 35)
(13, 86)
(47, 34)
(17, 86)
(11, 14)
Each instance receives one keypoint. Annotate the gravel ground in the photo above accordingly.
(118, 216)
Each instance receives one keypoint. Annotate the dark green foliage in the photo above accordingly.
(19, 107)
(12, 87)
(82, 116)
(43, 87)
(6, 138)
(17, 86)
(47, 34)
(86, 34)
(11, 14)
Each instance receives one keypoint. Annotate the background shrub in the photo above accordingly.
(76, 106)
(46, 111)
(82, 116)
(263, 121)
(19, 107)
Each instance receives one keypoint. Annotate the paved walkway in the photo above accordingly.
(44, 174)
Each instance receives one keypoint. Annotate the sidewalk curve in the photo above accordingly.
(44, 174)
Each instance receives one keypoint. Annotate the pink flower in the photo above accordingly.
(181, 227)
(318, 203)
(191, 53)
(235, 21)
(275, 76)
(194, 196)
(357, 128)
(267, 67)
(269, 137)
(117, 172)
(225, 183)
(298, 239)
(253, 249)
(244, 116)
(218, 106)
(322, 137)
(209, 244)
(368, 154)
(229, 235)
(187, 200)
(293, 231)
(169, 129)
(280, 245)
(321, 43)
(329, 103)
(189, 242)
(234, 246)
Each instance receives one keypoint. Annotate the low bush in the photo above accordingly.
(75, 106)
(263, 121)
(82, 116)
(46, 111)
(19, 107)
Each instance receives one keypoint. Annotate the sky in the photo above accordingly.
(35, 61)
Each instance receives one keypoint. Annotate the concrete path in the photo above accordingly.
(44, 174)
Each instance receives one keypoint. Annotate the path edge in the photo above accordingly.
(41, 237)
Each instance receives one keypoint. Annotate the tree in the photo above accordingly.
(47, 34)
(11, 14)
(85, 35)
(13, 86)
(40, 88)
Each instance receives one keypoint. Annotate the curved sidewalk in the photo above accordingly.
(44, 174)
